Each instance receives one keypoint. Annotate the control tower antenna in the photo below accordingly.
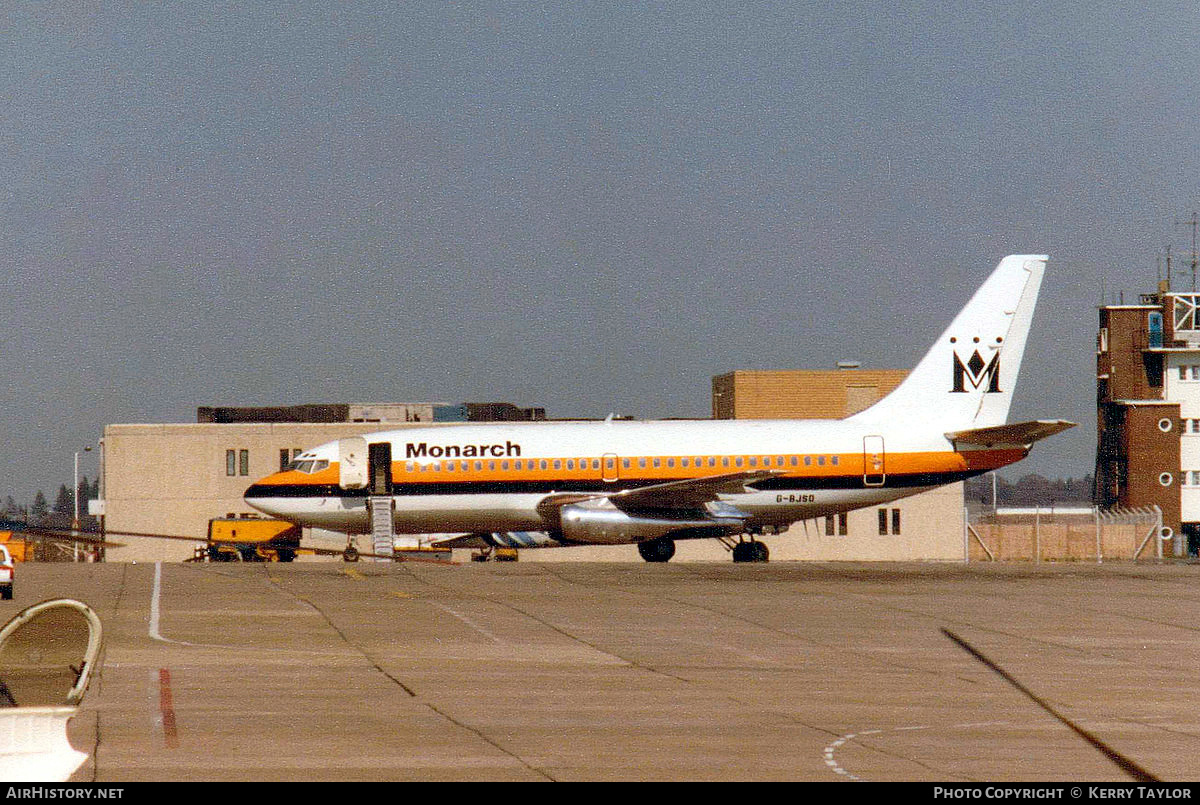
(1193, 222)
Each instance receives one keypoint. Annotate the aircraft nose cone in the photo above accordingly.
(260, 496)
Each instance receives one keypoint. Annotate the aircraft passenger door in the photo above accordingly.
(610, 467)
(352, 463)
(874, 471)
(380, 459)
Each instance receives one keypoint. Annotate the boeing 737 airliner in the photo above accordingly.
(545, 484)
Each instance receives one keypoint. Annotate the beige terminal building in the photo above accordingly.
(173, 478)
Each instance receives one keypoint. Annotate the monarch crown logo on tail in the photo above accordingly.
(977, 372)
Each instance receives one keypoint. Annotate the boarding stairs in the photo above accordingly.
(382, 529)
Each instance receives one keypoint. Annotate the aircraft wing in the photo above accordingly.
(1016, 434)
(688, 493)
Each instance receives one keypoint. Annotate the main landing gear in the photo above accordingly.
(750, 551)
(657, 550)
(663, 548)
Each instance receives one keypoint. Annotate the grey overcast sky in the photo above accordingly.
(592, 207)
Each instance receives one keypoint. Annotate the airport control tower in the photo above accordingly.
(1148, 408)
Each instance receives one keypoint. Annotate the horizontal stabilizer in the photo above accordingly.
(1015, 434)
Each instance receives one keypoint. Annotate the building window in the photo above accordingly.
(883, 522)
(243, 462)
(896, 522)
(231, 462)
(285, 458)
(842, 524)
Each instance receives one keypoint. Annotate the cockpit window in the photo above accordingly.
(308, 465)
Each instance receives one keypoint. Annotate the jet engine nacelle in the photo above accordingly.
(601, 523)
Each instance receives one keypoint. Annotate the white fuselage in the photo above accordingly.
(493, 477)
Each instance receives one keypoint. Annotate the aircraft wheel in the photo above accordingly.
(750, 552)
(350, 554)
(657, 550)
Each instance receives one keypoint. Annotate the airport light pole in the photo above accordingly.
(75, 495)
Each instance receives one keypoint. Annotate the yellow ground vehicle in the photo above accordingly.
(17, 547)
(252, 539)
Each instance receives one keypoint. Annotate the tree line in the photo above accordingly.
(41, 513)
(1030, 490)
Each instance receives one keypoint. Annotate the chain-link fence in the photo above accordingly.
(1068, 535)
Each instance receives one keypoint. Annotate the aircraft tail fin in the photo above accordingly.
(968, 377)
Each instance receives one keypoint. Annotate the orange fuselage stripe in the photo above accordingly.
(668, 468)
